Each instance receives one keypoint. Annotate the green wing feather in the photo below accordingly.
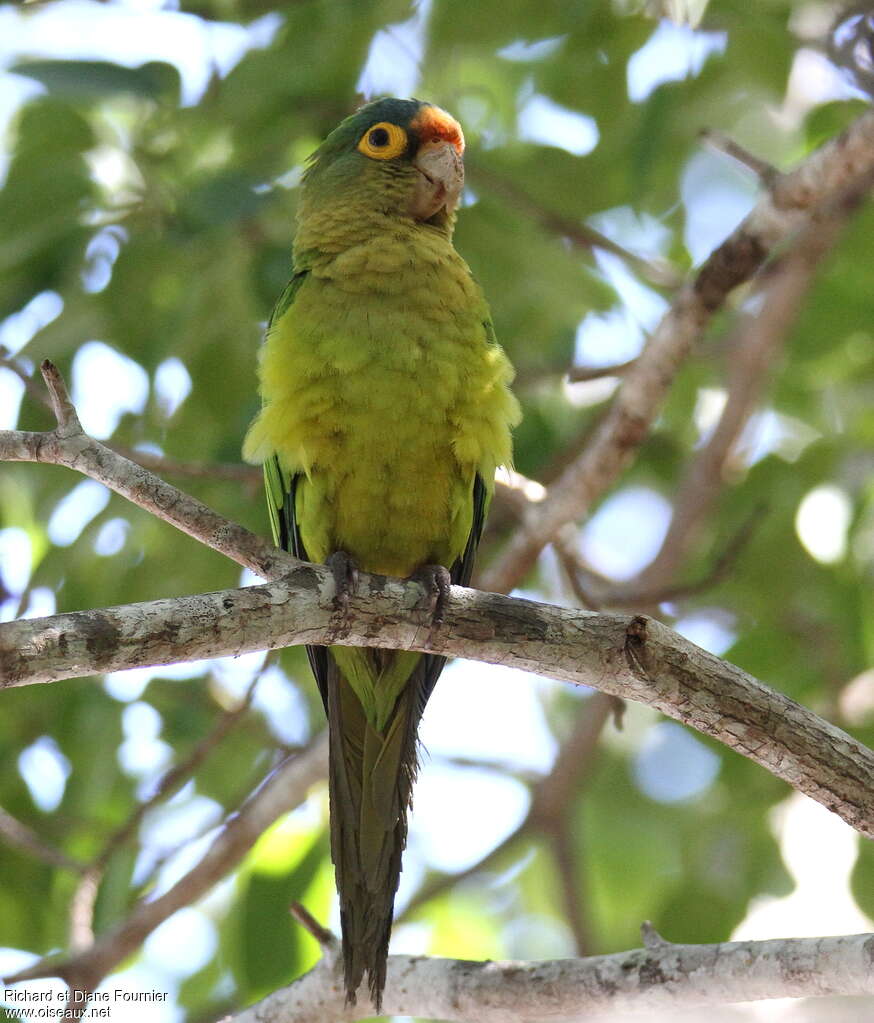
(280, 487)
(277, 483)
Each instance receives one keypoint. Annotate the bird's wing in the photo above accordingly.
(281, 486)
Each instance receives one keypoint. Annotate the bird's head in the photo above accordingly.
(393, 159)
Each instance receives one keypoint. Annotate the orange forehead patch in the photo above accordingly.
(432, 123)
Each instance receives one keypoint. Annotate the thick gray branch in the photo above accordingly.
(660, 976)
(630, 656)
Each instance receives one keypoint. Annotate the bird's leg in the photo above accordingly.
(345, 572)
(437, 582)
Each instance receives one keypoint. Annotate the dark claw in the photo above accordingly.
(437, 582)
(345, 572)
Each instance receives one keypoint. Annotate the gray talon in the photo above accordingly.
(345, 572)
(437, 583)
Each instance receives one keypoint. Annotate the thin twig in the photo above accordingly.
(20, 836)
(575, 763)
(552, 809)
(500, 765)
(723, 144)
(550, 800)
(582, 374)
(84, 897)
(632, 595)
(436, 885)
(68, 445)
(63, 409)
(651, 938)
(177, 775)
(723, 565)
(31, 387)
(249, 475)
(571, 563)
(327, 939)
(657, 271)
(566, 845)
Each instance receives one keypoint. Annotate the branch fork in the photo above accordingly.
(62, 407)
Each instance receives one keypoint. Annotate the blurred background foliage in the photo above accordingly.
(152, 152)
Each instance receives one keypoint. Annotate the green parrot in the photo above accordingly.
(385, 411)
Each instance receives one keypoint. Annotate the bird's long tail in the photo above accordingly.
(371, 777)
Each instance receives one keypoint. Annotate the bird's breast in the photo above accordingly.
(369, 377)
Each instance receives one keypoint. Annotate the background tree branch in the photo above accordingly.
(840, 168)
(283, 790)
(756, 343)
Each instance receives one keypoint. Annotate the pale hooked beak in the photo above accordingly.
(439, 181)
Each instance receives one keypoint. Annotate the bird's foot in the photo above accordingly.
(436, 582)
(345, 572)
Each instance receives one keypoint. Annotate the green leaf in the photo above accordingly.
(273, 949)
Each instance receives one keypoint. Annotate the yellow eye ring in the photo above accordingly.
(383, 141)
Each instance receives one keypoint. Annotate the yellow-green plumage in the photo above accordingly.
(385, 399)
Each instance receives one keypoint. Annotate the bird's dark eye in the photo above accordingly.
(378, 138)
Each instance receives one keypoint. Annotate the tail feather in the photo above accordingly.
(371, 779)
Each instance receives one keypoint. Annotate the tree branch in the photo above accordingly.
(630, 656)
(659, 976)
(249, 476)
(70, 446)
(178, 775)
(84, 900)
(582, 374)
(758, 342)
(842, 164)
(17, 834)
(284, 789)
(657, 270)
(721, 143)
(592, 591)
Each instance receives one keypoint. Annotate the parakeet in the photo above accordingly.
(386, 409)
